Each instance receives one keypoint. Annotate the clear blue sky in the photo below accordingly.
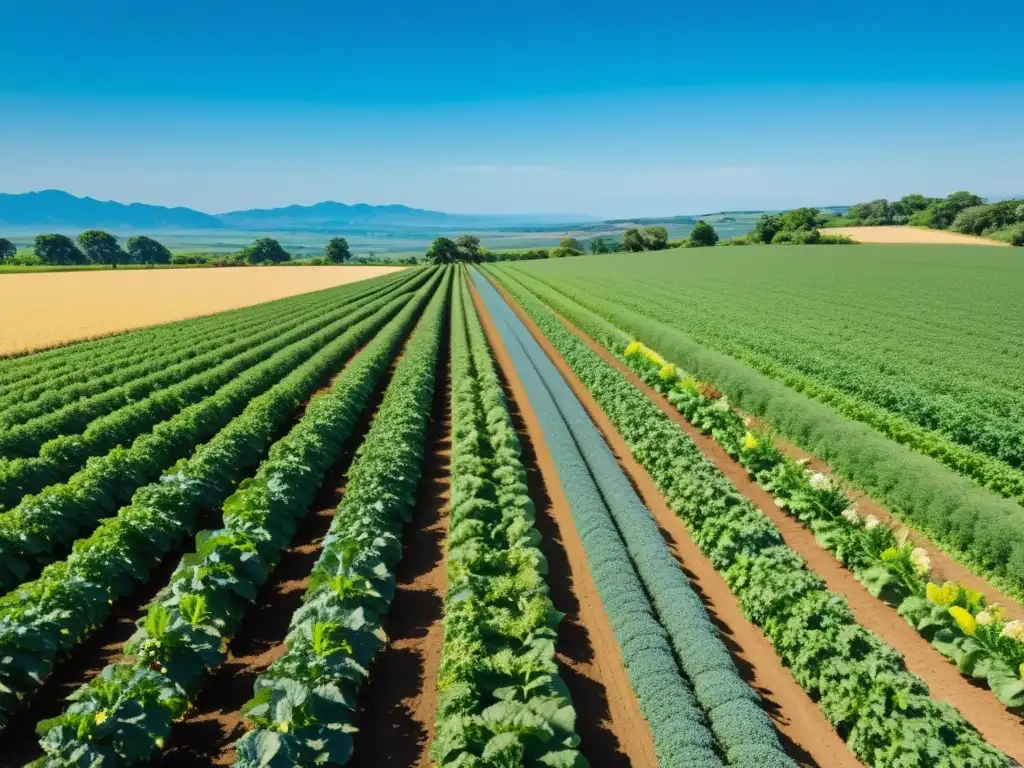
(611, 109)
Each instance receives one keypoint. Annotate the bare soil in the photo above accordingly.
(805, 734)
(909, 235)
(39, 310)
(978, 706)
(398, 705)
(612, 730)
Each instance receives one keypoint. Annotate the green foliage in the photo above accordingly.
(860, 683)
(633, 241)
(469, 248)
(602, 245)
(189, 621)
(101, 247)
(767, 227)
(57, 249)
(571, 244)
(703, 235)
(337, 251)
(7, 251)
(1018, 236)
(146, 250)
(655, 238)
(442, 251)
(265, 250)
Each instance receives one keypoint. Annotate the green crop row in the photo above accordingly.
(861, 685)
(303, 705)
(652, 607)
(60, 457)
(48, 522)
(981, 530)
(145, 370)
(882, 559)
(124, 715)
(498, 667)
(45, 619)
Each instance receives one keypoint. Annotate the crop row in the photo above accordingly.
(861, 685)
(303, 705)
(48, 522)
(890, 567)
(43, 620)
(498, 664)
(979, 529)
(146, 369)
(707, 713)
(60, 457)
(124, 715)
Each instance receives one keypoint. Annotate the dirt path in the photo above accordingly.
(804, 732)
(909, 235)
(978, 706)
(397, 707)
(613, 732)
(73, 306)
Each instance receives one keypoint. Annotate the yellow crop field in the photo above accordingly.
(44, 309)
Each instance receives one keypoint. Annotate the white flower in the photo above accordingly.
(922, 563)
(872, 522)
(850, 513)
(820, 482)
(721, 404)
(984, 619)
(1014, 630)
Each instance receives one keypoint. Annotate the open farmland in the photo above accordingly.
(504, 515)
(909, 235)
(43, 310)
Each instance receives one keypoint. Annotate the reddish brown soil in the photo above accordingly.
(609, 721)
(397, 707)
(978, 706)
(804, 732)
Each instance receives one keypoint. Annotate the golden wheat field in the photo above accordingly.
(40, 310)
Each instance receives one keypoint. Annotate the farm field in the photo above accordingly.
(42, 310)
(909, 235)
(504, 515)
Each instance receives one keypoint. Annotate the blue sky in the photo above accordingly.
(608, 109)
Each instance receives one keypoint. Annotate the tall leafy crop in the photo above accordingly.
(882, 711)
(124, 714)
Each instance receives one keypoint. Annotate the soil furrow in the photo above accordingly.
(611, 727)
(977, 705)
(804, 732)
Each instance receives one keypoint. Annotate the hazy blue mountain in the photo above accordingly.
(54, 209)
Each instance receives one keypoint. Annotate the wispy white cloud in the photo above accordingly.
(501, 169)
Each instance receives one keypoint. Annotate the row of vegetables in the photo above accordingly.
(861, 685)
(880, 556)
(45, 525)
(143, 369)
(42, 621)
(56, 445)
(700, 711)
(501, 700)
(978, 528)
(124, 715)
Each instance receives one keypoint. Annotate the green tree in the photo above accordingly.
(146, 250)
(655, 238)
(1017, 238)
(703, 234)
(265, 250)
(766, 228)
(571, 244)
(803, 219)
(337, 251)
(7, 249)
(57, 249)
(633, 241)
(469, 248)
(599, 245)
(442, 251)
(101, 247)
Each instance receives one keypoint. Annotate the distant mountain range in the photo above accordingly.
(55, 209)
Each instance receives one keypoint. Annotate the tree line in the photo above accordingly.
(98, 247)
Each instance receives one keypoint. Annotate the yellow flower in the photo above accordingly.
(159, 742)
(100, 717)
(283, 727)
(163, 670)
(964, 620)
(653, 356)
(689, 384)
(667, 372)
(749, 442)
(632, 348)
(935, 594)
(1021, 670)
